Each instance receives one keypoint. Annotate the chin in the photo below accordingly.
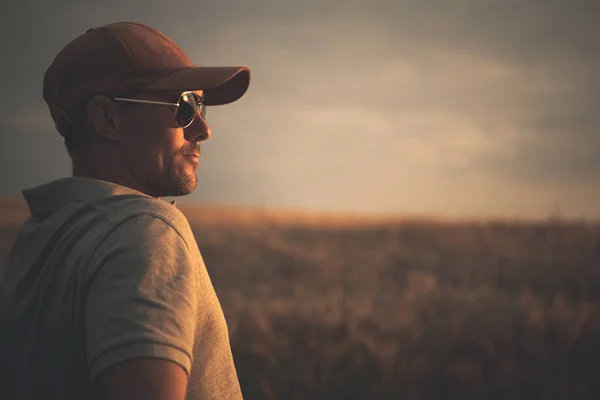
(179, 181)
(186, 186)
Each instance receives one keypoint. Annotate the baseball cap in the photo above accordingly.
(123, 57)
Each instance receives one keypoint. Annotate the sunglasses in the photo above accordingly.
(187, 107)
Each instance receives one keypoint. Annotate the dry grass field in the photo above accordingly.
(340, 308)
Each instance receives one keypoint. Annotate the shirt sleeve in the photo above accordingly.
(142, 299)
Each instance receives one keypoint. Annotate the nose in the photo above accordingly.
(198, 131)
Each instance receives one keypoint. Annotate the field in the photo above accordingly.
(338, 308)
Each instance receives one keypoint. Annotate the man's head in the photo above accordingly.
(129, 103)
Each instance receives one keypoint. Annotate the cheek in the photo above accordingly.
(171, 145)
(152, 143)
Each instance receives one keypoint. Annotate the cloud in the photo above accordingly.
(370, 104)
(516, 119)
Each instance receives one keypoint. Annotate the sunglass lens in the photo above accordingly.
(203, 111)
(200, 103)
(186, 112)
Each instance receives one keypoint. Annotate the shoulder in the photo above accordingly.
(144, 234)
(143, 229)
(127, 206)
(137, 214)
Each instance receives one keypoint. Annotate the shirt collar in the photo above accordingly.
(51, 196)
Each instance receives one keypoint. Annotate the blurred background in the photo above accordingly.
(403, 205)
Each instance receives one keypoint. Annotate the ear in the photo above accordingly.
(102, 117)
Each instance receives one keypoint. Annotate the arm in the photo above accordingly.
(141, 312)
(149, 378)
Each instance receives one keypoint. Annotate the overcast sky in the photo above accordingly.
(430, 107)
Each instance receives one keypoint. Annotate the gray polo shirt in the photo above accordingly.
(100, 274)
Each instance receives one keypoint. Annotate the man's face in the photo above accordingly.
(161, 156)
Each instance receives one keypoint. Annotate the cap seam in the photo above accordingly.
(123, 45)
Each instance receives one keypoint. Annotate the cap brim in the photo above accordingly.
(221, 85)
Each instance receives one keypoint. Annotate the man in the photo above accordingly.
(105, 294)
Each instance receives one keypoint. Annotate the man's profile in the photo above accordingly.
(105, 294)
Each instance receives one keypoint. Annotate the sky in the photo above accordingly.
(456, 108)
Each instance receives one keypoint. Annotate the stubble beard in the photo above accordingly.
(181, 181)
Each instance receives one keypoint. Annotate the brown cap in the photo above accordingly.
(123, 57)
